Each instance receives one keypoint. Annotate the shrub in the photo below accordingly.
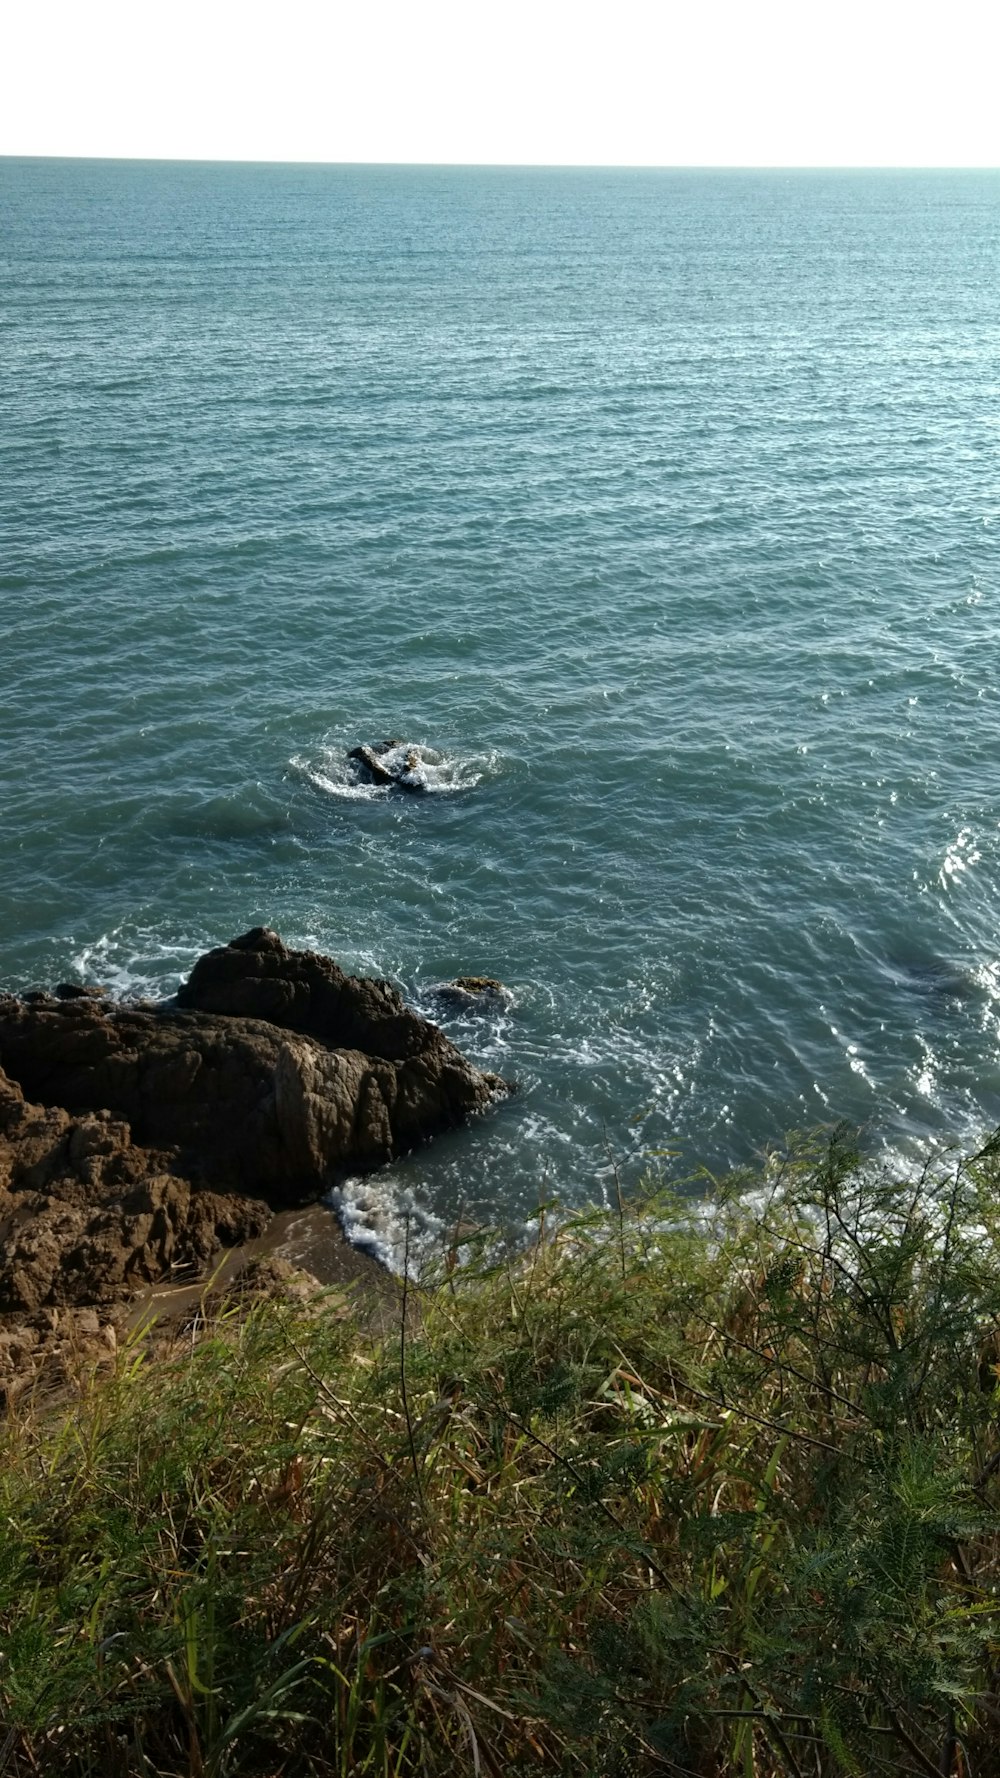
(708, 1485)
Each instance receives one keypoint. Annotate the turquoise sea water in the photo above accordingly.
(662, 506)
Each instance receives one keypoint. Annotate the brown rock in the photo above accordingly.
(134, 1141)
(87, 1216)
(257, 977)
(243, 1103)
(472, 993)
(385, 763)
(369, 758)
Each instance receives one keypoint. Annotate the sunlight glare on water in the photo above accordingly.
(656, 510)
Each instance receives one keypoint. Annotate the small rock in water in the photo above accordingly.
(392, 762)
(473, 993)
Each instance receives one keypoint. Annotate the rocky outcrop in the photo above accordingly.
(135, 1141)
(87, 1215)
(274, 1072)
(258, 977)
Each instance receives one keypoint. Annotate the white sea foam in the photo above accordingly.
(927, 1079)
(960, 856)
(382, 1216)
(485, 1029)
(136, 962)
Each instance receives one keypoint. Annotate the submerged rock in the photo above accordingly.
(137, 1140)
(473, 993)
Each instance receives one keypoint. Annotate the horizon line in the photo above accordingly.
(519, 166)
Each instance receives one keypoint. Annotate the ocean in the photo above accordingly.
(658, 509)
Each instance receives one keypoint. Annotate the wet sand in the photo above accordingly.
(311, 1240)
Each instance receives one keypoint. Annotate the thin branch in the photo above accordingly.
(923, 1761)
(402, 1370)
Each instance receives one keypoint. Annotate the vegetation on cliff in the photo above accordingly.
(697, 1487)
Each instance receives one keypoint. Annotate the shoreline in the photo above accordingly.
(150, 1154)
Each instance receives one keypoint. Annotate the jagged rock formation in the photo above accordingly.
(87, 1215)
(258, 977)
(135, 1140)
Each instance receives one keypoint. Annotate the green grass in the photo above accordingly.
(704, 1489)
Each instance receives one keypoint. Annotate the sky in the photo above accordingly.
(633, 83)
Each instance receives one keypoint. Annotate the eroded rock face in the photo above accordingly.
(284, 1073)
(87, 1215)
(137, 1140)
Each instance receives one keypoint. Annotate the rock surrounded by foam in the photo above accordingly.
(473, 993)
(393, 763)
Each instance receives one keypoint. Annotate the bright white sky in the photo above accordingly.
(629, 82)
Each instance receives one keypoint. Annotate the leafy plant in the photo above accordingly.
(708, 1486)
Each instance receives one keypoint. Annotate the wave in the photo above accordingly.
(136, 962)
(381, 1217)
